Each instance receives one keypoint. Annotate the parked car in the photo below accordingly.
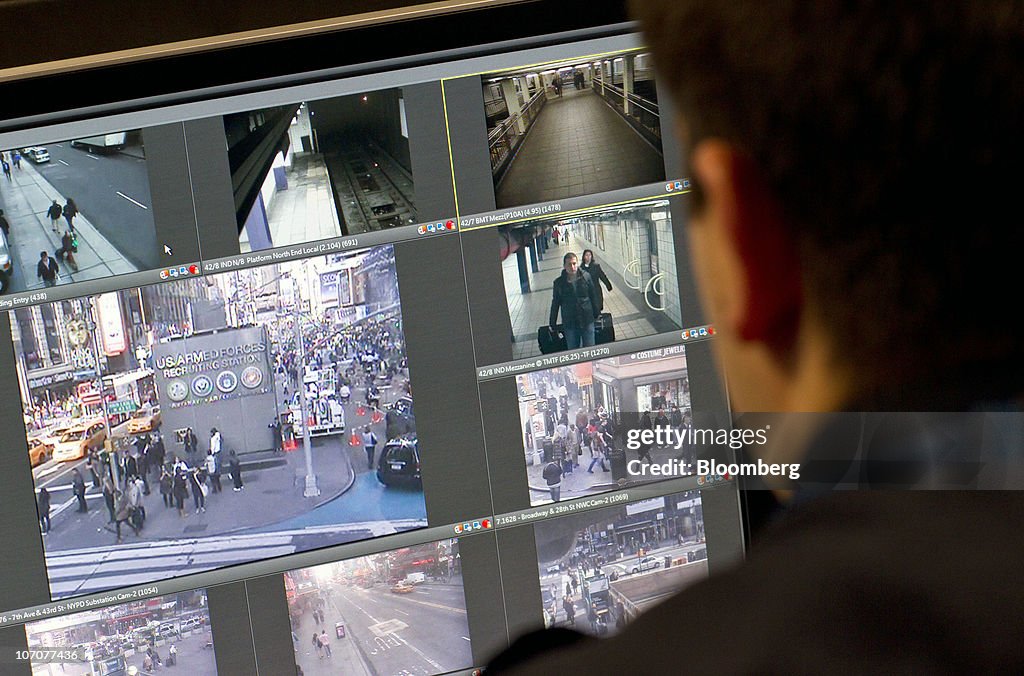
(167, 629)
(399, 462)
(39, 451)
(145, 419)
(191, 623)
(645, 564)
(37, 154)
(79, 440)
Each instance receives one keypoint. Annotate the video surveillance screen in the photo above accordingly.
(354, 373)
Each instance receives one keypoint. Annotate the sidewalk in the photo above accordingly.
(579, 482)
(270, 496)
(25, 200)
(346, 654)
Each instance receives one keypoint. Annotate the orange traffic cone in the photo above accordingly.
(377, 417)
(354, 440)
(360, 410)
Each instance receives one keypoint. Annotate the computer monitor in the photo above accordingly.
(335, 353)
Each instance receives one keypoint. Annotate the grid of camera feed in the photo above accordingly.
(139, 637)
(574, 420)
(397, 612)
(319, 169)
(600, 569)
(591, 278)
(233, 416)
(250, 414)
(75, 210)
(573, 127)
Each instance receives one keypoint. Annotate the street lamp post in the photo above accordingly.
(91, 326)
(312, 490)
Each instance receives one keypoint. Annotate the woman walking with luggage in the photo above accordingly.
(597, 276)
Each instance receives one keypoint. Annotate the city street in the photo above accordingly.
(568, 412)
(112, 191)
(190, 515)
(195, 655)
(25, 200)
(580, 482)
(421, 632)
(553, 584)
(350, 492)
(82, 555)
(270, 495)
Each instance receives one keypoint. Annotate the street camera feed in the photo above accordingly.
(575, 421)
(320, 169)
(139, 637)
(600, 569)
(575, 127)
(210, 421)
(590, 279)
(75, 210)
(398, 612)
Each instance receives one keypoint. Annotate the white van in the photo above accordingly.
(37, 154)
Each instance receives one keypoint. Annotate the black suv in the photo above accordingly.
(399, 462)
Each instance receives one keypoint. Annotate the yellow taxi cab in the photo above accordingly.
(79, 440)
(145, 419)
(39, 451)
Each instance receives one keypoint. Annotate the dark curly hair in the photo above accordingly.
(892, 135)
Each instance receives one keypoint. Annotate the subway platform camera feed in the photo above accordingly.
(600, 569)
(398, 612)
(140, 637)
(84, 203)
(575, 127)
(210, 421)
(575, 421)
(320, 169)
(591, 278)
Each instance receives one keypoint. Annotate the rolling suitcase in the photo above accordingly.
(604, 330)
(549, 341)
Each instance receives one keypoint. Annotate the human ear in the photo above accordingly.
(763, 299)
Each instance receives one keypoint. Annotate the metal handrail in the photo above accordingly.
(505, 137)
(636, 99)
(526, 111)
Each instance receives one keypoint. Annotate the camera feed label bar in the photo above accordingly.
(638, 493)
(95, 287)
(660, 345)
(330, 246)
(568, 207)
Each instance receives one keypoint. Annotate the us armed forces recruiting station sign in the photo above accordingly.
(221, 379)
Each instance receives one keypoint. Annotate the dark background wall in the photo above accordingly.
(377, 116)
(76, 28)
